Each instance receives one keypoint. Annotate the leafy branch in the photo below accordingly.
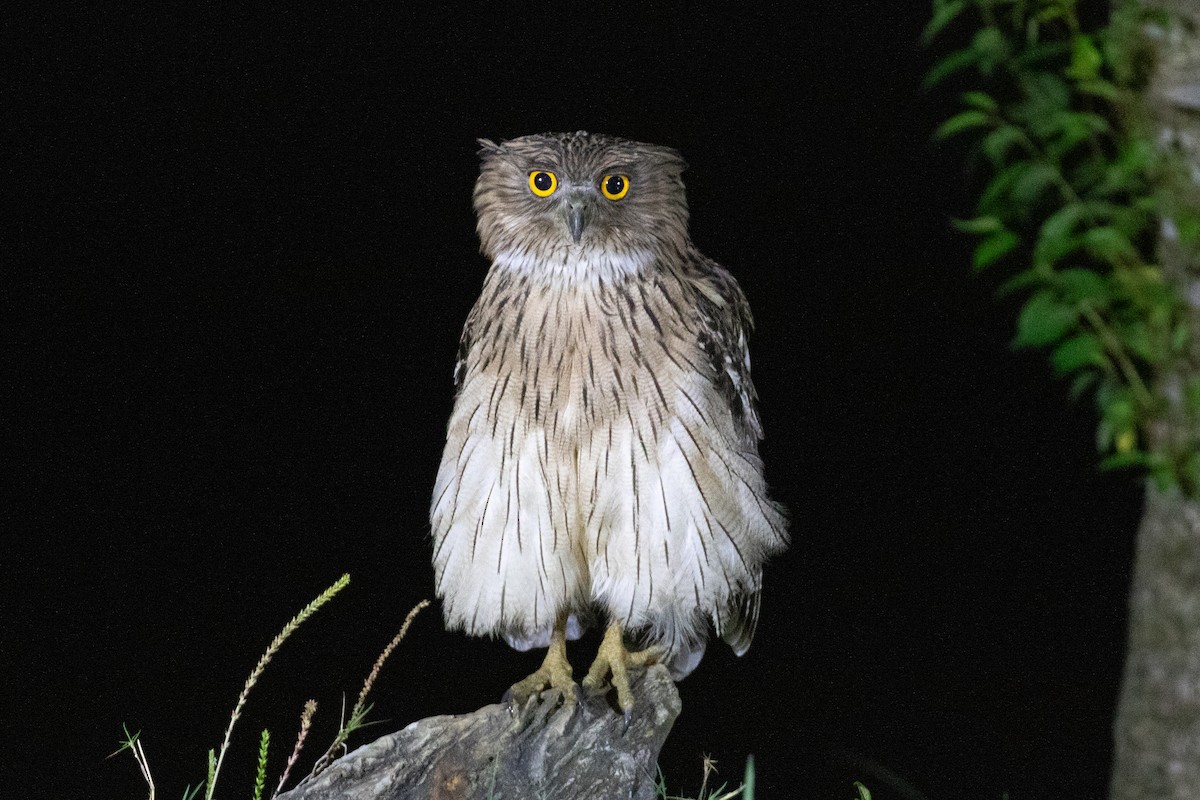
(1068, 203)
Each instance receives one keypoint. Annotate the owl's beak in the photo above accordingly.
(577, 216)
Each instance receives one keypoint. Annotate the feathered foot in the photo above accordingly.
(554, 673)
(613, 659)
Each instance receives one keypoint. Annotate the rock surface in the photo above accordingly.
(546, 749)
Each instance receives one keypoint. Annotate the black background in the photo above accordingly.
(241, 248)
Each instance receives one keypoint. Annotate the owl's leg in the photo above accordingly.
(554, 673)
(612, 658)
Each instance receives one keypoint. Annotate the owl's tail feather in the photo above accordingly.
(685, 659)
(741, 620)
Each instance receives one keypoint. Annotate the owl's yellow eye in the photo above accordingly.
(542, 183)
(615, 187)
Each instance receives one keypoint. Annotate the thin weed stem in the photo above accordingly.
(359, 712)
(276, 643)
(306, 716)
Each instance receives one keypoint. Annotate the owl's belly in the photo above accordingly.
(650, 510)
(590, 462)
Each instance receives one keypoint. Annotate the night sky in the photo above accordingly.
(238, 251)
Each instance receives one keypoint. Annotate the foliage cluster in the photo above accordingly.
(1070, 205)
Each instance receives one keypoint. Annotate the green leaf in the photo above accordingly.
(1117, 410)
(981, 100)
(1082, 382)
(1189, 229)
(943, 15)
(1128, 171)
(1087, 171)
(1133, 458)
(1103, 89)
(1065, 130)
(1050, 12)
(1081, 350)
(1044, 320)
(1145, 205)
(990, 47)
(1046, 96)
(945, 67)
(1086, 59)
(978, 225)
(1191, 394)
(1137, 156)
(1131, 222)
(1181, 336)
(1021, 281)
(993, 248)
(1164, 475)
(1095, 123)
(1100, 210)
(1055, 238)
(1043, 51)
(1083, 284)
(1189, 473)
(1032, 184)
(1135, 337)
(1109, 244)
(962, 121)
(997, 142)
(1000, 187)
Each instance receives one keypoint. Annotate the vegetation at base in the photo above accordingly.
(260, 771)
(743, 792)
(358, 714)
(357, 719)
(1070, 208)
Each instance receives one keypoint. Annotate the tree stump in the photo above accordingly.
(546, 749)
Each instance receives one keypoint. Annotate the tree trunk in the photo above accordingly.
(1158, 718)
(545, 749)
(1157, 728)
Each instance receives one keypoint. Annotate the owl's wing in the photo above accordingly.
(464, 348)
(725, 321)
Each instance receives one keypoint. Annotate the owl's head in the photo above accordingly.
(557, 195)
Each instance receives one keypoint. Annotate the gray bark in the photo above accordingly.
(544, 750)
(1157, 731)
(1157, 727)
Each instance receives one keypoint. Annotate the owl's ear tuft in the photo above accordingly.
(667, 158)
(675, 158)
(488, 148)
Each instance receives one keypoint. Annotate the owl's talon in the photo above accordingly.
(542, 681)
(612, 659)
(554, 673)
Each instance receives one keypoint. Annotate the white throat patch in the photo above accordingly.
(573, 264)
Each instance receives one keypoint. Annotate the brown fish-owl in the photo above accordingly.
(601, 460)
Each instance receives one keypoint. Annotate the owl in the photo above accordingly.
(601, 461)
